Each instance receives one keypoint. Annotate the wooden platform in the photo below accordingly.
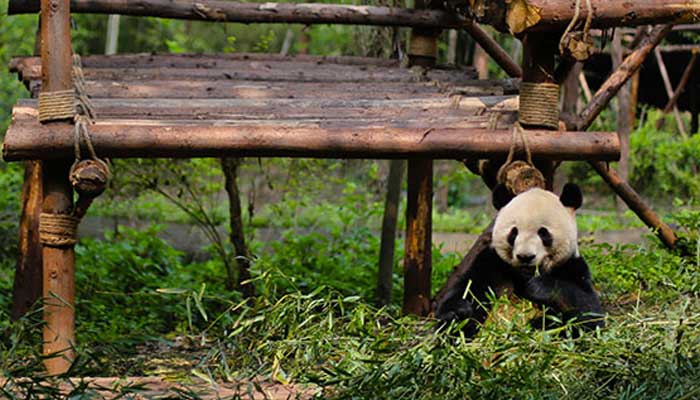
(269, 105)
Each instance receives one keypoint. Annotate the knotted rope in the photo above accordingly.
(88, 176)
(519, 176)
(539, 104)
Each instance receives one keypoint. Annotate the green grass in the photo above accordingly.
(313, 323)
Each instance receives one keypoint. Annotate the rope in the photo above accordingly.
(56, 105)
(519, 176)
(422, 45)
(58, 230)
(518, 131)
(539, 104)
(574, 20)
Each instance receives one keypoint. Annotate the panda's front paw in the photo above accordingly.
(455, 311)
(538, 290)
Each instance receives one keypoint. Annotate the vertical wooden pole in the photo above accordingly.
(418, 252)
(418, 257)
(27, 287)
(623, 122)
(59, 262)
(694, 100)
(539, 50)
(28, 272)
(388, 239)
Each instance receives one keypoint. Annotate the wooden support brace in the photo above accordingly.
(671, 104)
(601, 99)
(669, 90)
(494, 50)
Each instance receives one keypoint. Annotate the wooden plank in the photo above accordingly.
(216, 60)
(285, 73)
(402, 111)
(229, 11)
(27, 139)
(241, 89)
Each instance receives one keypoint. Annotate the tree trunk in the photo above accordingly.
(237, 235)
(388, 239)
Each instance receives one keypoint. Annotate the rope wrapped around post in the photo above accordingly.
(89, 177)
(539, 104)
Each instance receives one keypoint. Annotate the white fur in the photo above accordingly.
(528, 212)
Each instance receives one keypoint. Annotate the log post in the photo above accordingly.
(58, 262)
(538, 67)
(27, 286)
(388, 238)
(28, 282)
(418, 248)
(694, 101)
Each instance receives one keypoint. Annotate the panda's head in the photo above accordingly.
(536, 228)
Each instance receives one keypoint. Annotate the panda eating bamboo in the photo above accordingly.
(533, 254)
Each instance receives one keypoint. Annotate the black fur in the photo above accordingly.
(566, 289)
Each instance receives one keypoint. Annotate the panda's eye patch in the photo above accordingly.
(512, 235)
(546, 237)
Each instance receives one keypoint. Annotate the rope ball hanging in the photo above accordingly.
(89, 176)
(518, 176)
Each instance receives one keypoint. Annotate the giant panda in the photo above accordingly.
(533, 254)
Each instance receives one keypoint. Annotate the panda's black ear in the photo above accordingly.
(571, 196)
(501, 196)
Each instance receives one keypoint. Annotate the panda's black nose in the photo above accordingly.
(526, 258)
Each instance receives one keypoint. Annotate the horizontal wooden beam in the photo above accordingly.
(28, 139)
(555, 15)
(229, 11)
(292, 71)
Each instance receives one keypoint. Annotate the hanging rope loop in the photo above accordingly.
(88, 176)
(519, 176)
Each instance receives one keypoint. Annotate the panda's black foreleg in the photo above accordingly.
(572, 300)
